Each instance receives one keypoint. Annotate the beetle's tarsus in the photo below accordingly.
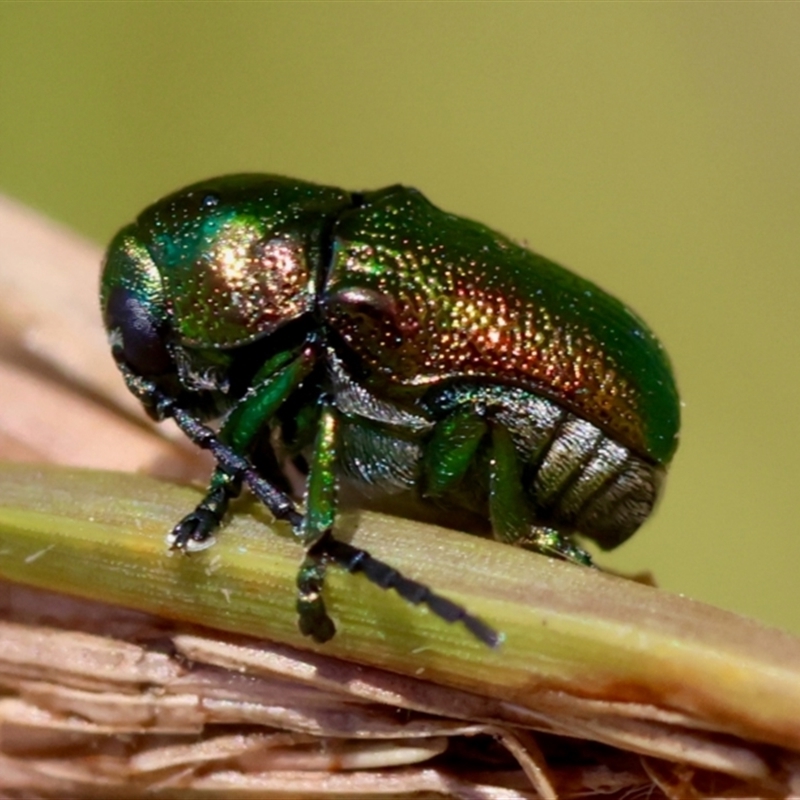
(195, 531)
(550, 542)
(314, 622)
(313, 619)
(354, 559)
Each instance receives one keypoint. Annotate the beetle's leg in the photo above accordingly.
(321, 496)
(323, 548)
(240, 430)
(195, 531)
(550, 542)
(279, 503)
(451, 450)
(162, 406)
(510, 511)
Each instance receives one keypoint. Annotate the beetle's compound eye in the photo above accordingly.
(136, 333)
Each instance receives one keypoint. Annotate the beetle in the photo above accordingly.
(371, 338)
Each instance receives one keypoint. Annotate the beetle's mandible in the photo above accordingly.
(374, 339)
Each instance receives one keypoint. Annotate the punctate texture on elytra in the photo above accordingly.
(373, 338)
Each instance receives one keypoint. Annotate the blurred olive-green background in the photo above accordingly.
(651, 147)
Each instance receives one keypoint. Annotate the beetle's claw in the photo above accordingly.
(194, 532)
(314, 621)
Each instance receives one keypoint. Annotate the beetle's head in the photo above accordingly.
(138, 319)
(208, 271)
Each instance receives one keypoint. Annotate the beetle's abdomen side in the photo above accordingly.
(576, 477)
(593, 485)
(422, 297)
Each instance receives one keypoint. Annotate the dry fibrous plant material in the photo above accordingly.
(126, 671)
(102, 698)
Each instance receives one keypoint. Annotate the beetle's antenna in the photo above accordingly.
(353, 559)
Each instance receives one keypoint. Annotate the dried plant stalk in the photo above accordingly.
(188, 675)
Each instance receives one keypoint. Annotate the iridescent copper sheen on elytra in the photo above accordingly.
(422, 296)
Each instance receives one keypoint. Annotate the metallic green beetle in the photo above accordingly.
(374, 339)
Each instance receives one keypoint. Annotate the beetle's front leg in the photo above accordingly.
(241, 429)
(196, 530)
